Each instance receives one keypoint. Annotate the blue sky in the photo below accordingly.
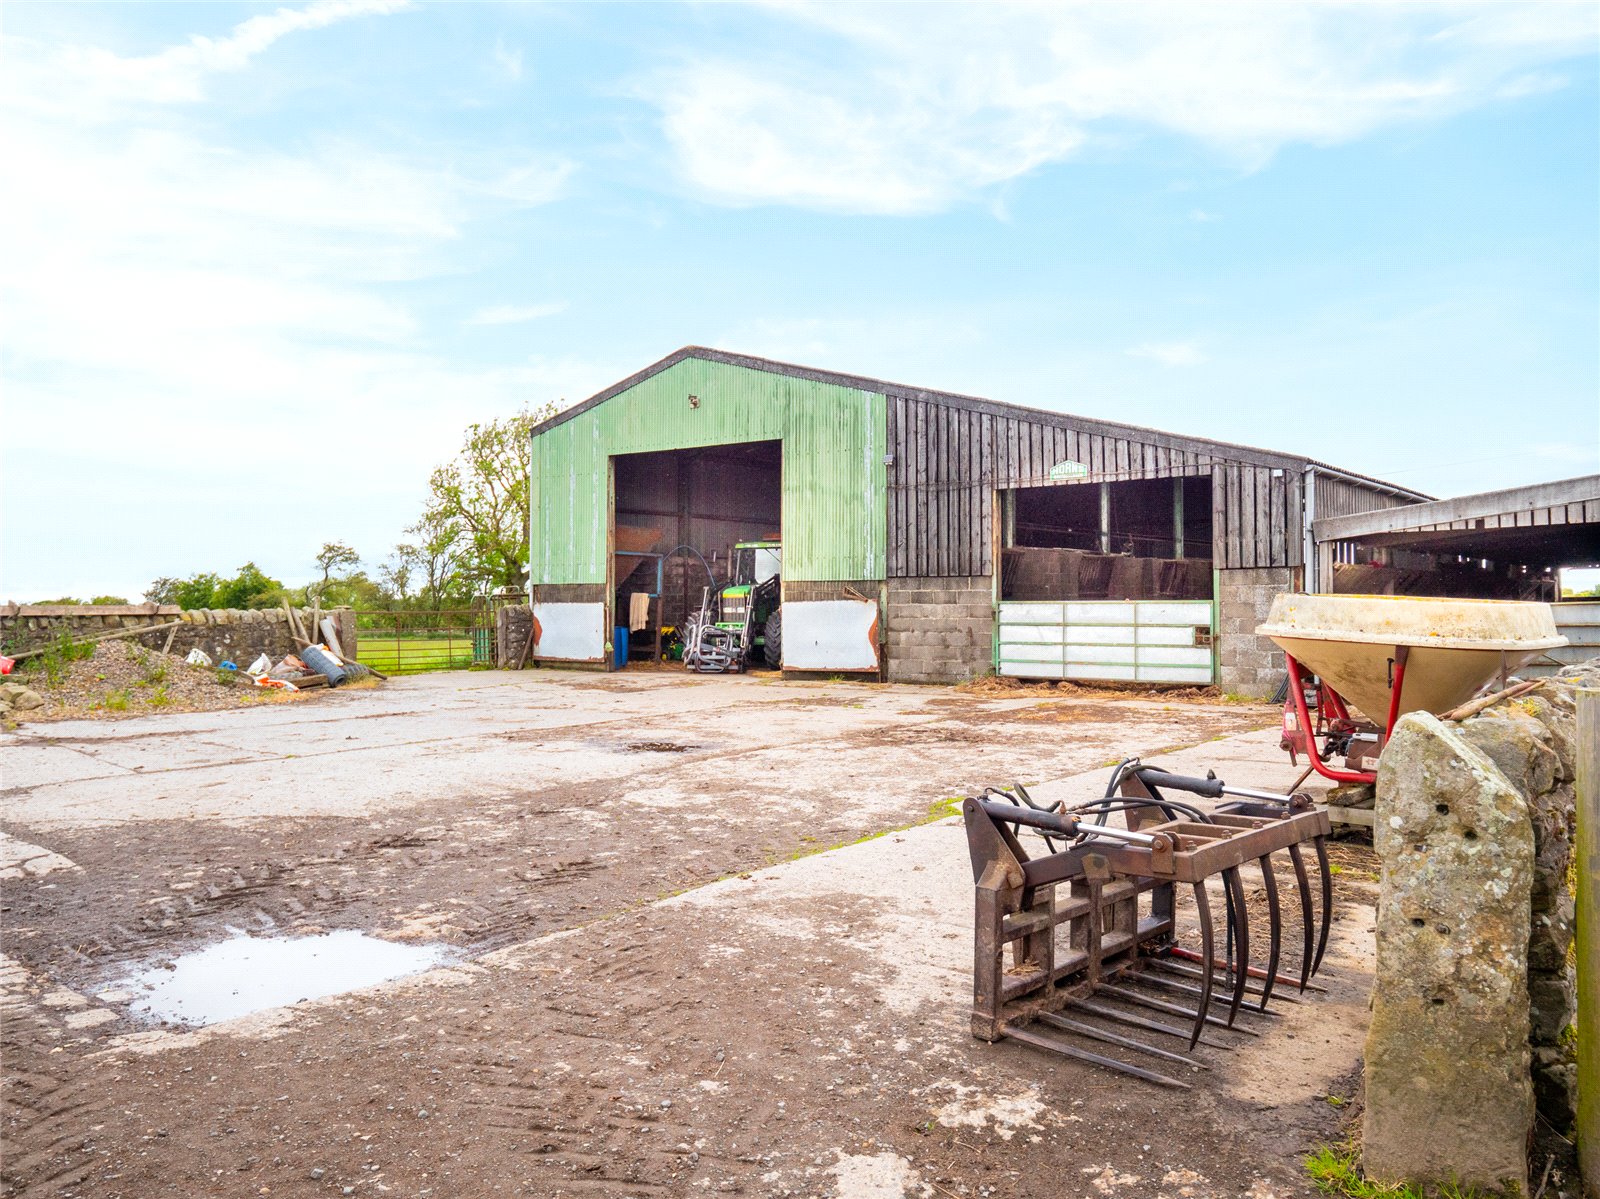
(264, 264)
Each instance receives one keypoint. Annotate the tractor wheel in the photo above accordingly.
(773, 649)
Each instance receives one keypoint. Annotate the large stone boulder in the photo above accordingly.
(20, 698)
(1448, 1090)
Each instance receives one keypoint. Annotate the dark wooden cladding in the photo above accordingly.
(948, 460)
(1257, 514)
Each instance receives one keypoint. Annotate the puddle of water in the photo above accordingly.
(248, 974)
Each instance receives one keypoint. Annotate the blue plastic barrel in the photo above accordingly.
(619, 646)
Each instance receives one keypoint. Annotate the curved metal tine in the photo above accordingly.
(1269, 880)
(1208, 947)
(1228, 922)
(1327, 901)
(1235, 886)
(1304, 885)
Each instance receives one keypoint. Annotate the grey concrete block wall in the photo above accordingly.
(939, 630)
(1247, 664)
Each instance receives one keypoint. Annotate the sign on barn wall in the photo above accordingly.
(1068, 470)
(830, 635)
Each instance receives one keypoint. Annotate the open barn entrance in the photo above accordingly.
(1139, 539)
(1108, 582)
(677, 516)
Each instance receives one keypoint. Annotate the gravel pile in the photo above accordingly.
(122, 679)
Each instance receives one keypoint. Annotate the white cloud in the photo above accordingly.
(178, 73)
(1170, 353)
(181, 306)
(900, 110)
(507, 62)
(512, 314)
(1202, 217)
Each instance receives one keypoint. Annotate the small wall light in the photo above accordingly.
(694, 401)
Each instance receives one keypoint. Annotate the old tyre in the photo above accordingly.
(773, 649)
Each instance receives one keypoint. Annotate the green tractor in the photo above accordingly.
(748, 621)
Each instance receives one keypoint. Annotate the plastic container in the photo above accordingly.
(319, 661)
(619, 646)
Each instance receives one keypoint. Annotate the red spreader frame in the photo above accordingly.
(1333, 715)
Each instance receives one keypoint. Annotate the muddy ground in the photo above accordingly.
(614, 1020)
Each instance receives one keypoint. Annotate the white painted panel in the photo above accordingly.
(830, 635)
(1176, 674)
(1015, 613)
(1032, 634)
(1100, 673)
(1032, 670)
(1030, 653)
(1112, 640)
(1088, 634)
(570, 632)
(1100, 653)
(1176, 655)
(1175, 612)
(1162, 635)
(1103, 612)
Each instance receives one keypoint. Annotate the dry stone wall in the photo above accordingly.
(235, 634)
(1474, 988)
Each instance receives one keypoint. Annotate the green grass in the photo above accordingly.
(1336, 1169)
(413, 654)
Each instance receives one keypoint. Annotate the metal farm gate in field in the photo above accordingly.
(408, 642)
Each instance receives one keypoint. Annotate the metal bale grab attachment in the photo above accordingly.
(1120, 950)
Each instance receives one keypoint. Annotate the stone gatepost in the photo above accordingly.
(1449, 1096)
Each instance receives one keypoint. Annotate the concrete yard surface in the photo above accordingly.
(675, 936)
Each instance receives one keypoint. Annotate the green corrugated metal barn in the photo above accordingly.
(926, 536)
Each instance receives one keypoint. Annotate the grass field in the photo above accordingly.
(411, 654)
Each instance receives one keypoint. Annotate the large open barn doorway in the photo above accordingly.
(1138, 539)
(678, 515)
(1108, 582)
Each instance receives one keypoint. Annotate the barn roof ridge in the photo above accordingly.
(1248, 454)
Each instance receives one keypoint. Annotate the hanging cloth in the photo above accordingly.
(638, 611)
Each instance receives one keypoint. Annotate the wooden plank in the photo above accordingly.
(1248, 540)
(1295, 520)
(1235, 515)
(1278, 553)
(919, 494)
(896, 437)
(986, 514)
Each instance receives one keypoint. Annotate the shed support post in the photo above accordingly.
(1105, 518)
(1177, 517)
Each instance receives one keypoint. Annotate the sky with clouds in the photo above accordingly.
(262, 265)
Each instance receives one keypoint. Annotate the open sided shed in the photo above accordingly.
(982, 536)
(1508, 544)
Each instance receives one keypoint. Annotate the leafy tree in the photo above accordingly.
(394, 576)
(354, 590)
(66, 601)
(335, 555)
(482, 498)
(162, 590)
(247, 589)
(109, 599)
(434, 558)
(197, 591)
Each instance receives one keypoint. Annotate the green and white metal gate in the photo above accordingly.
(1135, 641)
